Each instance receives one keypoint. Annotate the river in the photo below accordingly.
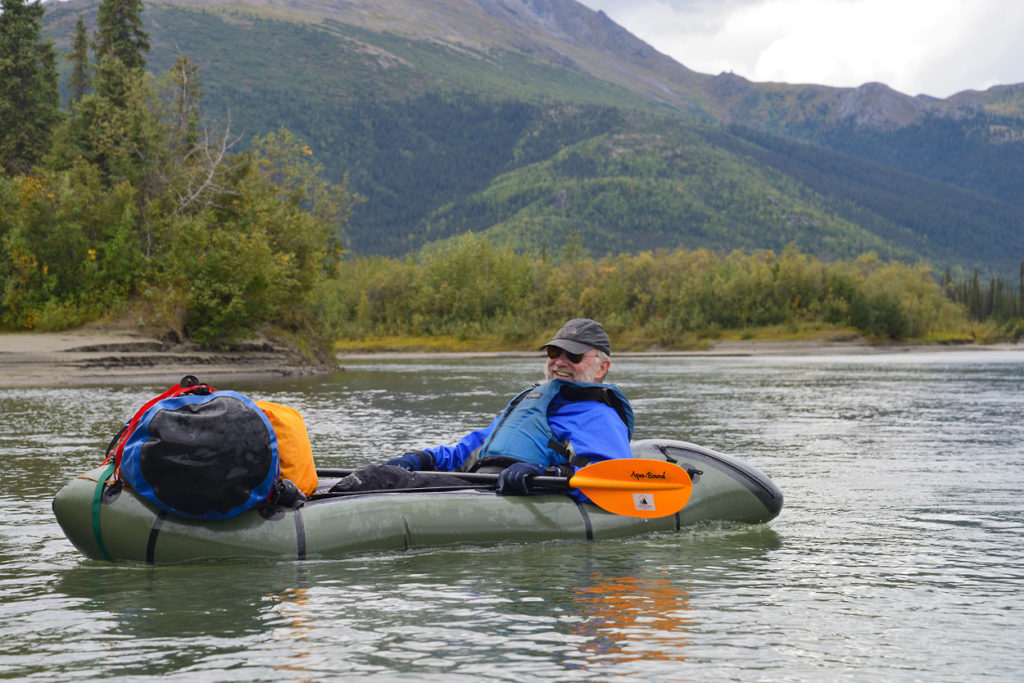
(899, 554)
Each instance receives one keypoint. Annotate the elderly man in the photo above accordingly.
(565, 423)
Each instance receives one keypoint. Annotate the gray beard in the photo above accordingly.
(583, 375)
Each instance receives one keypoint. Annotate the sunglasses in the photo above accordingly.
(574, 358)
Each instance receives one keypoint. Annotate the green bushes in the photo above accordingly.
(257, 257)
(69, 246)
(75, 247)
(471, 288)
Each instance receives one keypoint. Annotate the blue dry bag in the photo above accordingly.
(204, 456)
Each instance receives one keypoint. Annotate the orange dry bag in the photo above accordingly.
(293, 447)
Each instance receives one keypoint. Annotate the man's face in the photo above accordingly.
(577, 368)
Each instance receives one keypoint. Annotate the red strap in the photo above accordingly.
(176, 390)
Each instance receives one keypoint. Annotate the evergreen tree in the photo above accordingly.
(113, 126)
(119, 33)
(1020, 291)
(120, 45)
(79, 81)
(974, 303)
(29, 93)
(948, 285)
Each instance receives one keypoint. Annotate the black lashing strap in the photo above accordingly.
(586, 519)
(153, 533)
(300, 535)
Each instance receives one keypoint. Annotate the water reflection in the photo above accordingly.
(626, 618)
(178, 600)
(195, 611)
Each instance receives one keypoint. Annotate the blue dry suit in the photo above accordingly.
(595, 419)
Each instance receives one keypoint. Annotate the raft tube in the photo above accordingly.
(112, 523)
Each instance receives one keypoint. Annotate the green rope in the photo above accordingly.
(97, 500)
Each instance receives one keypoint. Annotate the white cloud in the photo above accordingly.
(937, 47)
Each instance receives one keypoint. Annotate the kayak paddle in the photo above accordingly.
(631, 487)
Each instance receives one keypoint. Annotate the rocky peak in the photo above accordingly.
(876, 105)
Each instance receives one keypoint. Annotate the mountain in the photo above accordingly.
(531, 121)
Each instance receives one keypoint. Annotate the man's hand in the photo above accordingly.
(415, 461)
(512, 480)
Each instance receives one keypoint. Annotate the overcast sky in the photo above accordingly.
(932, 47)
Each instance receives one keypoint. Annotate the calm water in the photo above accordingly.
(899, 554)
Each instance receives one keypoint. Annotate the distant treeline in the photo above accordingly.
(471, 289)
(994, 301)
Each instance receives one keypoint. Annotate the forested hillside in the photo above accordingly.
(446, 132)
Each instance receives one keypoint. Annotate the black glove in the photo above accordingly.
(512, 480)
(414, 462)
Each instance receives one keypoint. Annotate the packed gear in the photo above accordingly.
(293, 447)
(203, 453)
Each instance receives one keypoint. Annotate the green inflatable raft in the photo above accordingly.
(112, 523)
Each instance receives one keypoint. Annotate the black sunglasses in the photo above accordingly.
(574, 358)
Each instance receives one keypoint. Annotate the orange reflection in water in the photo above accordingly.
(293, 605)
(629, 618)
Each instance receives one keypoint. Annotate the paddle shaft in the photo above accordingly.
(473, 477)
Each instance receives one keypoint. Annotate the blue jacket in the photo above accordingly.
(524, 433)
(595, 429)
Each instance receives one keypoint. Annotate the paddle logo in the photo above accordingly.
(648, 475)
(643, 501)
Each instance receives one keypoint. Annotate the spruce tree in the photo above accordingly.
(79, 81)
(29, 92)
(112, 126)
(1020, 292)
(974, 303)
(119, 33)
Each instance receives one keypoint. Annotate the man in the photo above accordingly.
(571, 420)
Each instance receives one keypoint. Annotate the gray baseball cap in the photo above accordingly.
(581, 334)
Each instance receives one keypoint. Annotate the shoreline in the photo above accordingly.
(100, 357)
(722, 348)
(86, 357)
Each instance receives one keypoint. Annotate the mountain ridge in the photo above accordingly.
(570, 29)
(432, 105)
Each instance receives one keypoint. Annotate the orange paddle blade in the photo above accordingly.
(635, 487)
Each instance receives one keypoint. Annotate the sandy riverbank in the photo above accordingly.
(96, 356)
